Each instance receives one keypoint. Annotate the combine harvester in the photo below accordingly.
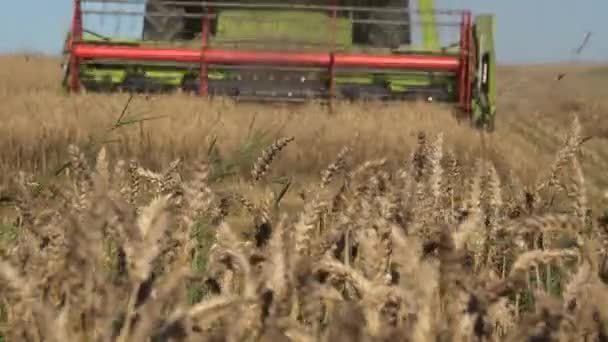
(293, 50)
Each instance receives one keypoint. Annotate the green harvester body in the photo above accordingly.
(301, 30)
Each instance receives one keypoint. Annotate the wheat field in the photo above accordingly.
(171, 218)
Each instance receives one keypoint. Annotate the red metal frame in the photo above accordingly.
(462, 65)
(332, 79)
(204, 74)
(75, 38)
(461, 74)
(332, 56)
(470, 63)
(466, 62)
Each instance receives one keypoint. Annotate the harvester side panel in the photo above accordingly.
(484, 103)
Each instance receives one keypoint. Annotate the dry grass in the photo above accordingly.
(412, 233)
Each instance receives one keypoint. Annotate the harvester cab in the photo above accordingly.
(293, 50)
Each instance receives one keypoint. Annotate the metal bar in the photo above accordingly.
(216, 4)
(105, 38)
(268, 68)
(405, 22)
(464, 65)
(332, 80)
(462, 58)
(141, 14)
(75, 39)
(204, 74)
(466, 60)
(299, 45)
(334, 25)
(283, 43)
(173, 65)
(215, 16)
(223, 56)
(470, 61)
(418, 62)
(332, 57)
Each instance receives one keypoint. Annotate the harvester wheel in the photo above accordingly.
(483, 123)
(490, 127)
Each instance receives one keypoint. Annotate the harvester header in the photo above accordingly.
(295, 50)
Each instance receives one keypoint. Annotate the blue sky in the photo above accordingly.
(528, 31)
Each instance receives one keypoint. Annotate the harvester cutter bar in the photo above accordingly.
(290, 90)
(268, 90)
(263, 68)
